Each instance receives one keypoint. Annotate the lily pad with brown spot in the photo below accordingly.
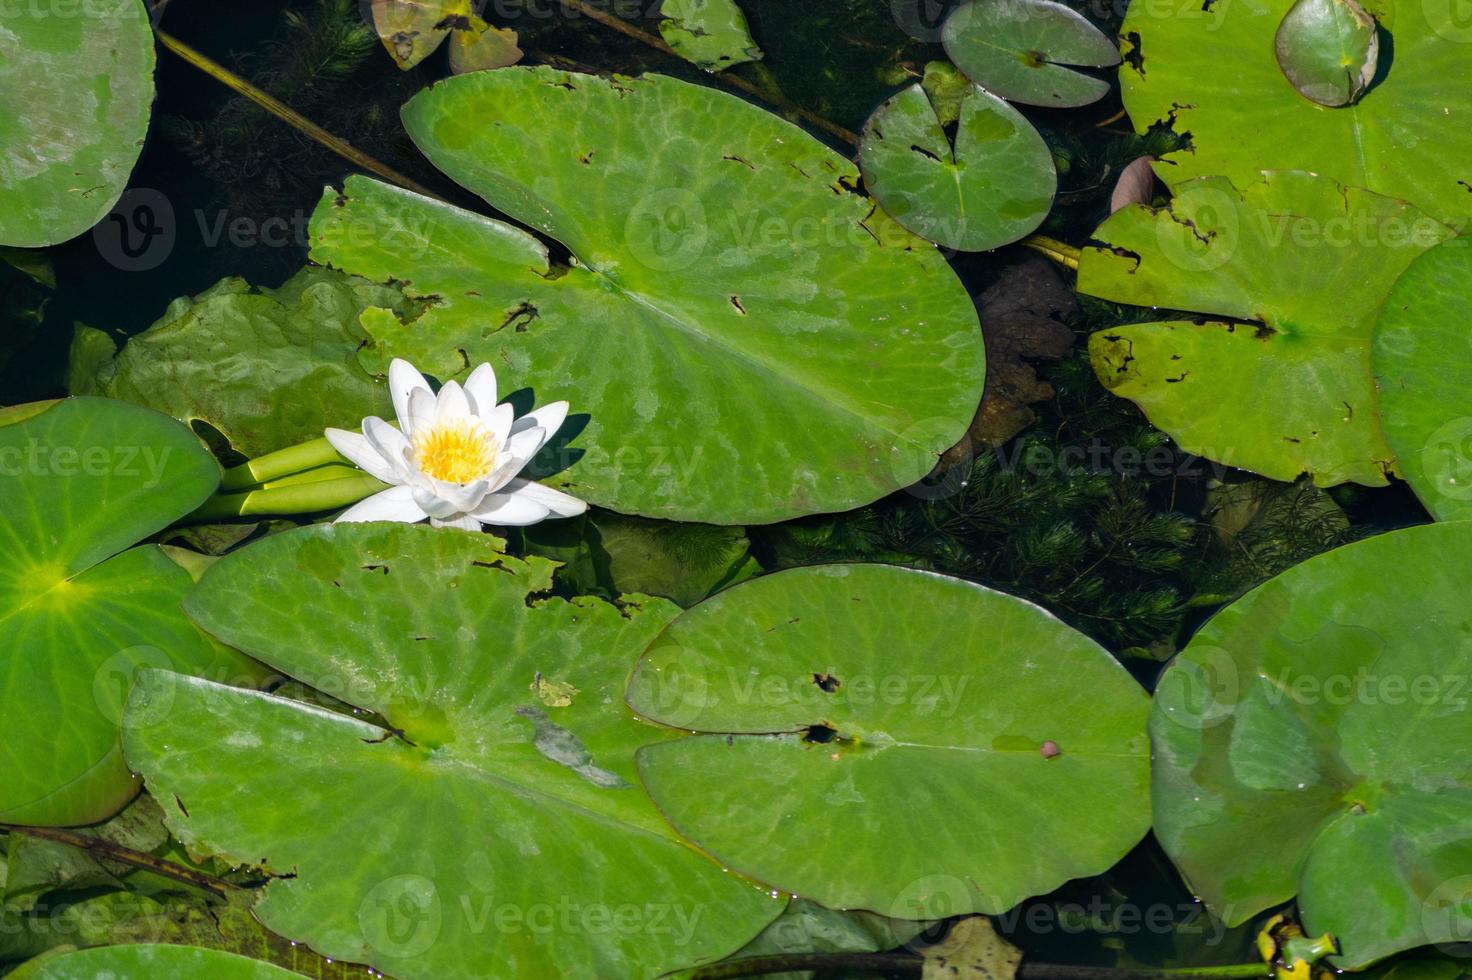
(827, 714)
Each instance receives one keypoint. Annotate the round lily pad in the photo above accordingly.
(1423, 365)
(1409, 136)
(82, 612)
(1328, 49)
(1314, 738)
(746, 338)
(1020, 50)
(838, 711)
(992, 187)
(1287, 274)
(78, 91)
(149, 961)
(494, 790)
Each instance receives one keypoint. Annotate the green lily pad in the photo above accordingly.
(1421, 359)
(1314, 739)
(834, 705)
(78, 91)
(711, 33)
(501, 809)
(1408, 137)
(1020, 50)
(992, 187)
(147, 961)
(268, 368)
(748, 340)
(1288, 274)
(79, 483)
(1328, 49)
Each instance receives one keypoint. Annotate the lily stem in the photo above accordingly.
(100, 848)
(305, 497)
(290, 116)
(753, 966)
(283, 462)
(1061, 252)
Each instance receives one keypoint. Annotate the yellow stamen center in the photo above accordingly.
(456, 451)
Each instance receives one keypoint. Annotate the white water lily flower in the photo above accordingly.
(454, 458)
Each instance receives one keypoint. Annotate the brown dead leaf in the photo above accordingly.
(1020, 318)
(1136, 184)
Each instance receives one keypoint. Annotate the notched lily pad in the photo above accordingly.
(1328, 50)
(1327, 712)
(1286, 274)
(991, 186)
(81, 612)
(836, 702)
(508, 834)
(778, 350)
(1020, 50)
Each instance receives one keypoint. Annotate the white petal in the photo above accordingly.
(433, 503)
(390, 443)
(510, 510)
(393, 504)
(507, 466)
(524, 444)
(464, 522)
(403, 381)
(468, 497)
(549, 417)
(499, 422)
(452, 403)
(559, 504)
(481, 387)
(421, 412)
(363, 454)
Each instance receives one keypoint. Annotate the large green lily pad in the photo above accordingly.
(150, 961)
(1422, 354)
(77, 85)
(79, 614)
(744, 345)
(1288, 273)
(841, 710)
(1314, 738)
(1021, 50)
(1409, 136)
(494, 827)
(992, 187)
(267, 368)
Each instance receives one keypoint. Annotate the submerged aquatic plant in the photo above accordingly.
(454, 458)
